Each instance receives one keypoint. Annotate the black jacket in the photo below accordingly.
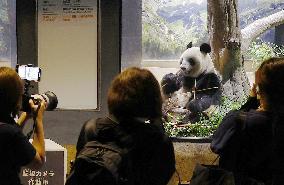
(243, 141)
(152, 153)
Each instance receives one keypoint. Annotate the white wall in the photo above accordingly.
(67, 54)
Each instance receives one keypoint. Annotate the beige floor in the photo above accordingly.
(71, 153)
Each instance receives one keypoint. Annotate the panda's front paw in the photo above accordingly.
(190, 117)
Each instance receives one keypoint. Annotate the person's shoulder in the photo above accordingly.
(9, 129)
(98, 123)
(231, 116)
(246, 116)
(155, 133)
(228, 123)
(150, 127)
(258, 114)
(258, 118)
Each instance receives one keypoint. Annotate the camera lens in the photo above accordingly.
(49, 97)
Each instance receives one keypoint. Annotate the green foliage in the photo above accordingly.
(4, 21)
(206, 126)
(4, 14)
(166, 38)
(260, 51)
(158, 42)
(162, 39)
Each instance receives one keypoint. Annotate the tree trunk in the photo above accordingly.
(225, 40)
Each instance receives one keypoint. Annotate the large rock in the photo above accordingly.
(188, 152)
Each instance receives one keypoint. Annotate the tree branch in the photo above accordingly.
(259, 26)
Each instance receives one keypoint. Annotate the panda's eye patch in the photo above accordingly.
(191, 62)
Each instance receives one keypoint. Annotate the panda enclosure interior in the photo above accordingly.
(226, 35)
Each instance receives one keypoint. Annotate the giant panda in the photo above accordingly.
(196, 75)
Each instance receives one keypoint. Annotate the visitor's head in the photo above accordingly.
(133, 93)
(270, 82)
(11, 90)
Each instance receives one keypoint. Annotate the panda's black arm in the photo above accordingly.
(170, 83)
(209, 84)
(214, 80)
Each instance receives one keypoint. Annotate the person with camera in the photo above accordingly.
(250, 141)
(15, 149)
(129, 146)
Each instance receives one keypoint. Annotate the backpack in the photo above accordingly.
(100, 164)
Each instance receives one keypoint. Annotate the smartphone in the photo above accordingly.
(28, 72)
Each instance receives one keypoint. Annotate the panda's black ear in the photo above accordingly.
(189, 45)
(206, 48)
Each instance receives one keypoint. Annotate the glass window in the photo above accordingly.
(8, 46)
(169, 25)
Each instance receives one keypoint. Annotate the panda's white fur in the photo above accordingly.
(203, 62)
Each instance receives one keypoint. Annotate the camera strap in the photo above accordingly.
(30, 133)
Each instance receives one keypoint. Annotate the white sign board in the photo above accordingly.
(67, 51)
(53, 171)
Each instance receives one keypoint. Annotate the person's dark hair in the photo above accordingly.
(270, 79)
(11, 90)
(135, 93)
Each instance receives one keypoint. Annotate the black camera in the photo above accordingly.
(29, 73)
(49, 98)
